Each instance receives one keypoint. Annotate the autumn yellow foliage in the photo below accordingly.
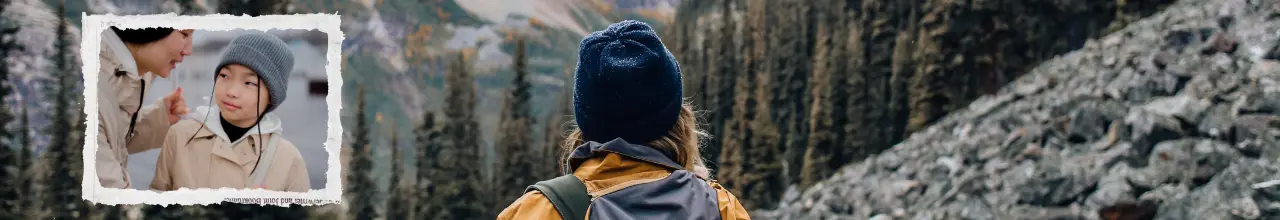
(537, 23)
(415, 44)
(467, 53)
(443, 15)
(601, 6)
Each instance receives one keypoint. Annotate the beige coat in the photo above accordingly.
(212, 160)
(118, 99)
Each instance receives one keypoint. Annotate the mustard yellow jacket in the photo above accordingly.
(607, 171)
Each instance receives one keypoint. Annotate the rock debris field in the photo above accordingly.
(1176, 116)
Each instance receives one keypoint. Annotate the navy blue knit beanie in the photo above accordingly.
(627, 85)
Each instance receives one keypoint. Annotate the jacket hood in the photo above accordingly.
(621, 147)
(112, 41)
(270, 124)
(126, 90)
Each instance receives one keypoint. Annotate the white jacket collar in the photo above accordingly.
(269, 124)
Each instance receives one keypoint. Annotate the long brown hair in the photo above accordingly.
(684, 139)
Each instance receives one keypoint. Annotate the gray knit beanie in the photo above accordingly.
(266, 55)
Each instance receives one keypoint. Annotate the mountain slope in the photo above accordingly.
(1173, 117)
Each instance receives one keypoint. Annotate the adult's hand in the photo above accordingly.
(177, 105)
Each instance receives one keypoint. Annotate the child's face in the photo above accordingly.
(241, 95)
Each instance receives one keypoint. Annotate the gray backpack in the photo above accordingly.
(567, 194)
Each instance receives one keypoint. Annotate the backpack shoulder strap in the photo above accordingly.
(567, 194)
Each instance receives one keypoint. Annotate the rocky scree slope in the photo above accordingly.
(1176, 116)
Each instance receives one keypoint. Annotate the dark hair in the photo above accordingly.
(142, 36)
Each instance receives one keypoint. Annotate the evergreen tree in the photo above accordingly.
(35, 198)
(752, 156)
(64, 156)
(825, 124)
(253, 7)
(229, 210)
(730, 171)
(719, 78)
(427, 154)
(33, 172)
(397, 161)
(400, 203)
(189, 7)
(771, 83)
(458, 193)
(874, 123)
(766, 152)
(695, 67)
(556, 131)
(903, 70)
(12, 157)
(517, 165)
(847, 79)
(25, 162)
(360, 180)
(793, 100)
(763, 160)
(8, 45)
(549, 162)
(10, 160)
(108, 212)
(929, 91)
(25, 141)
(181, 212)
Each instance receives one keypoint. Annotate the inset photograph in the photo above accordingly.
(210, 106)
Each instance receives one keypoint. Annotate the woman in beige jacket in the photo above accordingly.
(239, 143)
(130, 60)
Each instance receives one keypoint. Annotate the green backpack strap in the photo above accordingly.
(567, 194)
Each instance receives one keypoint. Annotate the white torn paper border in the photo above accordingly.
(1266, 184)
(94, 25)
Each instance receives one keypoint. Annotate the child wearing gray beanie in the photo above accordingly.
(268, 56)
(250, 81)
